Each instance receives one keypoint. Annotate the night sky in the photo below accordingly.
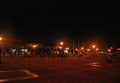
(47, 22)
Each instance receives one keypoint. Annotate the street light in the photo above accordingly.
(34, 46)
(93, 46)
(1, 38)
(61, 43)
(82, 48)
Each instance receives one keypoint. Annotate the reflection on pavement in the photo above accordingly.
(12, 75)
(95, 64)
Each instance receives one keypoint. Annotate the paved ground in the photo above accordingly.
(56, 70)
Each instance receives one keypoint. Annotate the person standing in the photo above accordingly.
(0, 55)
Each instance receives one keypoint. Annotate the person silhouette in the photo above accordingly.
(0, 55)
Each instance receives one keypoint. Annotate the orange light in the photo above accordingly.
(34, 46)
(60, 47)
(0, 38)
(93, 46)
(67, 48)
(76, 49)
(97, 49)
(88, 49)
(109, 50)
(61, 43)
(82, 48)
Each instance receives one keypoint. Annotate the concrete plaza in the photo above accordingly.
(58, 70)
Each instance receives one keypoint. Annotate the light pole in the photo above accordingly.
(73, 48)
(61, 45)
(34, 48)
(1, 48)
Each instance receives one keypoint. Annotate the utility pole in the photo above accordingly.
(73, 48)
(78, 45)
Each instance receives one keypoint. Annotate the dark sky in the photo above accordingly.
(51, 21)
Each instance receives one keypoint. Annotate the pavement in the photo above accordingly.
(58, 70)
